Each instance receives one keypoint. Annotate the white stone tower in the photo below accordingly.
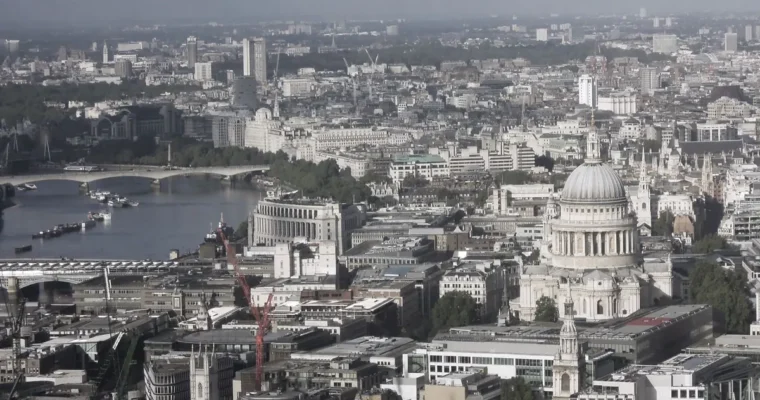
(568, 362)
(204, 376)
(106, 55)
(644, 200)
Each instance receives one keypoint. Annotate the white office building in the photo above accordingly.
(420, 165)
(587, 90)
(731, 42)
(542, 35)
(685, 376)
(297, 87)
(619, 103)
(204, 71)
(665, 44)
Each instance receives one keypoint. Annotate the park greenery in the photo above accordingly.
(663, 225)
(517, 389)
(454, 309)
(323, 180)
(725, 291)
(709, 244)
(18, 102)
(546, 310)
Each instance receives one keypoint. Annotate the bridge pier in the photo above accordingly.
(84, 187)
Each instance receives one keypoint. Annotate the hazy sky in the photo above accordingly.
(75, 12)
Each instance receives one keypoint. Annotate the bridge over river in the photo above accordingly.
(34, 271)
(155, 174)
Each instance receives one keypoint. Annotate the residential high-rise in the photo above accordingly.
(192, 51)
(542, 35)
(204, 71)
(665, 44)
(260, 60)
(749, 33)
(123, 68)
(587, 91)
(649, 80)
(668, 22)
(248, 57)
(656, 22)
(642, 12)
(106, 55)
(391, 30)
(731, 42)
(243, 93)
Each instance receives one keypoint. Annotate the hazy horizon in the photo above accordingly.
(76, 12)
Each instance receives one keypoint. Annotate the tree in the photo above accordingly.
(412, 181)
(652, 146)
(546, 310)
(242, 230)
(546, 162)
(517, 389)
(709, 244)
(454, 309)
(725, 291)
(663, 225)
(514, 178)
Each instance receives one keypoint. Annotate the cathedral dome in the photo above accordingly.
(594, 182)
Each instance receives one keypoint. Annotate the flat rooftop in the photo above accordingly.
(631, 327)
(368, 346)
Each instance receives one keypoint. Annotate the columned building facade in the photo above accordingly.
(281, 221)
(592, 246)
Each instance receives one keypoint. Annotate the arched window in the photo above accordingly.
(599, 307)
(200, 390)
(565, 385)
(643, 206)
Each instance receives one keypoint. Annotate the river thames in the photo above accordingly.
(175, 216)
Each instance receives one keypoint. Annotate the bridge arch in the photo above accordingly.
(155, 175)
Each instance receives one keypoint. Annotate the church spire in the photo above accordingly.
(593, 151)
(568, 362)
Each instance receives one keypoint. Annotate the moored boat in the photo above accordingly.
(23, 249)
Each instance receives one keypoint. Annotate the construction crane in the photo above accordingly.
(371, 75)
(353, 81)
(262, 316)
(276, 112)
(14, 304)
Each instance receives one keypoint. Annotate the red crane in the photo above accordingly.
(262, 316)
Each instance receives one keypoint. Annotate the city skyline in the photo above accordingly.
(75, 11)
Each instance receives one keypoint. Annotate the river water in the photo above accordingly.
(175, 216)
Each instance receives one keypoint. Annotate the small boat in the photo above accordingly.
(89, 224)
(106, 215)
(23, 249)
(95, 216)
(21, 188)
(133, 203)
(102, 198)
(30, 186)
(115, 204)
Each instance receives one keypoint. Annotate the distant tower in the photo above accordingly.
(192, 51)
(260, 60)
(248, 57)
(568, 362)
(644, 199)
(593, 151)
(707, 178)
(106, 54)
